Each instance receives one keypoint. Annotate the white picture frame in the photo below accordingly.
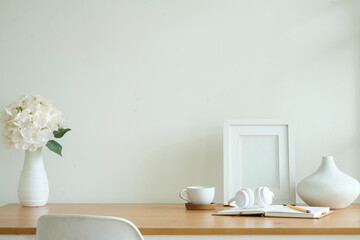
(259, 153)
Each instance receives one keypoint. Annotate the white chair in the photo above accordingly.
(85, 227)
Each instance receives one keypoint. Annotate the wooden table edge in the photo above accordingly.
(217, 231)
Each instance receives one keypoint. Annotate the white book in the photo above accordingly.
(276, 211)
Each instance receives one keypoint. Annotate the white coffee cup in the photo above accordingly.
(198, 194)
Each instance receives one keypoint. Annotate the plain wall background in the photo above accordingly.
(146, 85)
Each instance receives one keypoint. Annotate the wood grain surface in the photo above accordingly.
(174, 219)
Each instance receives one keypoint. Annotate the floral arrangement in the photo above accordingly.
(32, 122)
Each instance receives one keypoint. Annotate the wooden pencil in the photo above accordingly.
(298, 208)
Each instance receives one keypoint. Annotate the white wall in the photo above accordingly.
(145, 86)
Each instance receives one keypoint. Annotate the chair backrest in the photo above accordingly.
(85, 227)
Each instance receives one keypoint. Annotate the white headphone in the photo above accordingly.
(246, 198)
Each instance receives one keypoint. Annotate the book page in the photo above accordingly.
(289, 212)
(275, 211)
(247, 211)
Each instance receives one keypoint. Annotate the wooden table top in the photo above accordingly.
(174, 219)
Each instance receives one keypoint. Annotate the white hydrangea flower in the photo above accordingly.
(29, 122)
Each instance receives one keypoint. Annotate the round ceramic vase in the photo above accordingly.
(33, 183)
(328, 187)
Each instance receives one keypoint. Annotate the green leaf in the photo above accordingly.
(61, 132)
(54, 146)
(19, 109)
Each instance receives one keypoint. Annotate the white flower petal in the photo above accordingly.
(29, 122)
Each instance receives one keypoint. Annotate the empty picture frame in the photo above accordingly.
(259, 153)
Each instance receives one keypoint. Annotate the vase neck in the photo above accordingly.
(328, 163)
(31, 156)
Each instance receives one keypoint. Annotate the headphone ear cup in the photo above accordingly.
(251, 196)
(242, 199)
(258, 197)
(264, 196)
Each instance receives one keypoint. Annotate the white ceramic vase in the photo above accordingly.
(33, 183)
(328, 187)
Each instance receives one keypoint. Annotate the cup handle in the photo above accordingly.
(181, 194)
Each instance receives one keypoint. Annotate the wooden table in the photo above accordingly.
(174, 219)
